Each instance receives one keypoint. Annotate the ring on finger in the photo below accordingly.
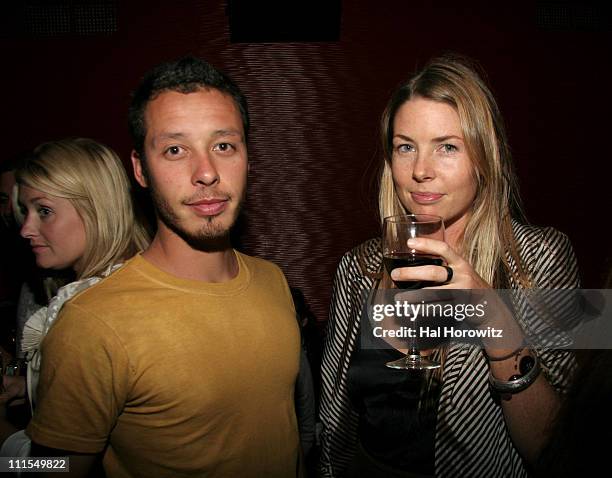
(449, 274)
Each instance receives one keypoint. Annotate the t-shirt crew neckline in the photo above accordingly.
(231, 287)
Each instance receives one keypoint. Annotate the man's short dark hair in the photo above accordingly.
(185, 75)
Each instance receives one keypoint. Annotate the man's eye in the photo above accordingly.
(175, 152)
(223, 147)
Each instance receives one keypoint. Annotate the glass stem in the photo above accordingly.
(413, 349)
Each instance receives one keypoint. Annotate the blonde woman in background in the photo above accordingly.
(444, 153)
(74, 195)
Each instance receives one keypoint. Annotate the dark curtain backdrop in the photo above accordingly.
(315, 107)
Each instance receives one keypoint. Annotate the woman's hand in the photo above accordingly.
(464, 278)
(14, 388)
(463, 275)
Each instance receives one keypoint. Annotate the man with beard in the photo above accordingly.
(183, 362)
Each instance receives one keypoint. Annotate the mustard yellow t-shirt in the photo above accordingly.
(178, 377)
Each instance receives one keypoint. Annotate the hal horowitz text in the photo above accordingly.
(439, 332)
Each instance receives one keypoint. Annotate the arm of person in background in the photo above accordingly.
(13, 387)
(6, 427)
(13, 393)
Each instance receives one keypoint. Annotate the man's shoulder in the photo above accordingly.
(119, 285)
(92, 313)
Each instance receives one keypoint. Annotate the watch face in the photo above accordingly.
(526, 364)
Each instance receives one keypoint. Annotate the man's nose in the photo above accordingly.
(204, 170)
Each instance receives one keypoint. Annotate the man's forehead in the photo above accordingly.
(203, 114)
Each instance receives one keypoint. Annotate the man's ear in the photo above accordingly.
(139, 174)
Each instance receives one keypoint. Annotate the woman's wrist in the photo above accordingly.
(515, 373)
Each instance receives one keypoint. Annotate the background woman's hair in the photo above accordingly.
(92, 177)
(488, 236)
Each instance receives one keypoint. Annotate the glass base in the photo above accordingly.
(413, 362)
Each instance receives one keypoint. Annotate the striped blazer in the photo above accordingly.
(471, 438)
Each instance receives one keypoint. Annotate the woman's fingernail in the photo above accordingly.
(394, 274)
(411, 242)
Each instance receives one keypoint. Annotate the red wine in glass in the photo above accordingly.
(397, 230)
(394, 260)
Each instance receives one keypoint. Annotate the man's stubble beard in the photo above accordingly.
(210, 238)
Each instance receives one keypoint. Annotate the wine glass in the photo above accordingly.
(396, 253)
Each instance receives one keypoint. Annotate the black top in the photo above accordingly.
(392, 428)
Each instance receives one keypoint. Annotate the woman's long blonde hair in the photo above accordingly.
(92, 177)
(488, 235)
